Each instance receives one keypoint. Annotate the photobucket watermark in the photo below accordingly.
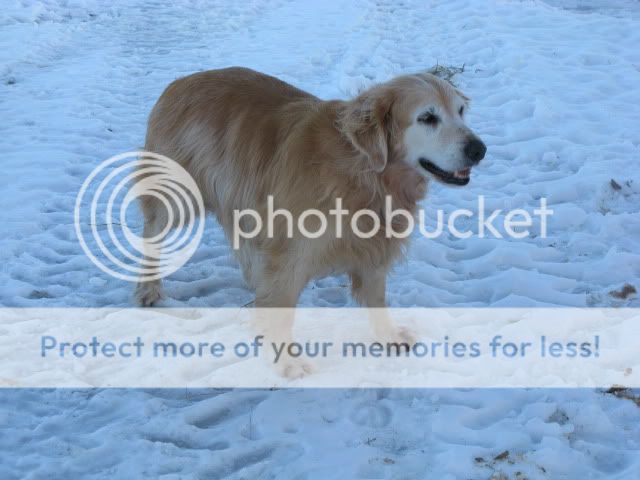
(498, 223)
(123, 246)
(119, 246)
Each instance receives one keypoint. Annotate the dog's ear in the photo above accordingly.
(365, 122)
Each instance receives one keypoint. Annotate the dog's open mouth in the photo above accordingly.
(459, 177)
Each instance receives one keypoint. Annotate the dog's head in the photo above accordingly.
(417, 119)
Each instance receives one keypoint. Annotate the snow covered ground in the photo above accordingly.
(555, 89)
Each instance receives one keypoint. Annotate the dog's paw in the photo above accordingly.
(149, 293)
(293, 368)
(400, 335)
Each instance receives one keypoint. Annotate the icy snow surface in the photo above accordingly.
(555, 89)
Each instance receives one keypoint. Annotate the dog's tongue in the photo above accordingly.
(464, 173)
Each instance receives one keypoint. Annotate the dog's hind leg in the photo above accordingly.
(249, 264)
(149, 289)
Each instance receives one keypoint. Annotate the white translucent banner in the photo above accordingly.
(177, 348)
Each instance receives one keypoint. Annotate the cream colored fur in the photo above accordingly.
(244, 135)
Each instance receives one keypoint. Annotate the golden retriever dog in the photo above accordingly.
(245, 136)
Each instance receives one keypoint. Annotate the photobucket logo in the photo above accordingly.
(105, 234)
(514, 223)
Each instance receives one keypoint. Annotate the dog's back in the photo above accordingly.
(225, 127)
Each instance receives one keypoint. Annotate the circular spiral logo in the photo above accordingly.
(145, 249)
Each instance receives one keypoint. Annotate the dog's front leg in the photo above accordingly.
(369, 289)
(276, 297)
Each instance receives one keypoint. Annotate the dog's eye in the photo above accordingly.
(461, 111)
(429, 119)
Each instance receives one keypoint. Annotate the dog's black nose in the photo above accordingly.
(474, 150)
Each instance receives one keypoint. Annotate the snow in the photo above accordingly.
(554, 87)
(309, 434)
